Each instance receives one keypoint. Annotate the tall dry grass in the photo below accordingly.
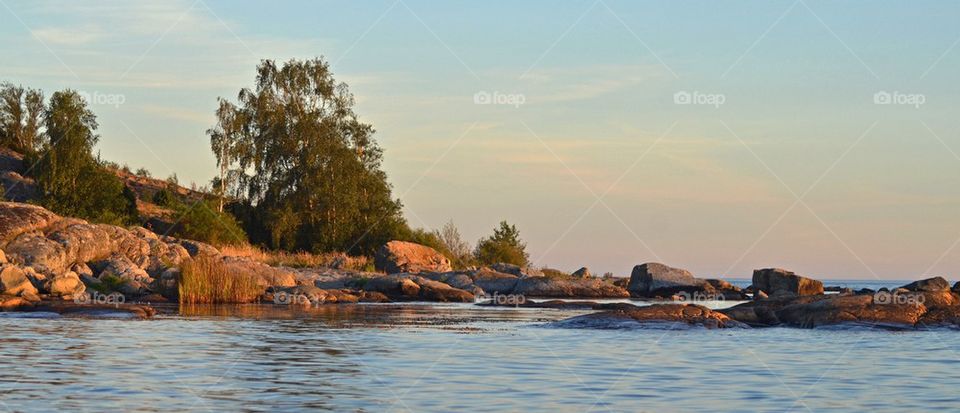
(298, 259)
(208, 281)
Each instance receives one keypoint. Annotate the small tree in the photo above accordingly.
(21, 117)
(459, 249)
(504, 245)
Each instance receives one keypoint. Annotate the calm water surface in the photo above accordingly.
(420, 357)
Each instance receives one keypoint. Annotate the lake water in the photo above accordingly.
(431, 357)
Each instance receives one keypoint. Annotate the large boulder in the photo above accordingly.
(583, 272)
(265, 275)
(67, 285)
(14, 281)
(401, 256)
(35, 250)
(670, 316)
(568, 288)
(17, 218)
(84, 242)
(776, 280)
(929, 285)
(653, 278)
(136, 281)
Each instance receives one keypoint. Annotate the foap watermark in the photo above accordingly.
(106, 99)
(114, 299)
(696, 97)
(699, 296)
(299, 299)
(501, 299)
(886, 298)
(496, 98)
(898, 98)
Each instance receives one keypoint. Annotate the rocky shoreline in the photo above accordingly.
(71, 267)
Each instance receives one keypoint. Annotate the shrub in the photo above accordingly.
(202, 222)
(503, 246)
(208, 281)
(164, 197)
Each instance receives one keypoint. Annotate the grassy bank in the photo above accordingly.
(208, 281)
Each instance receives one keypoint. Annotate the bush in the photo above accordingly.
(503, 246)
(202, 222)
(164, 198)
(208, 281)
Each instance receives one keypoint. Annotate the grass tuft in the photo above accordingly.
(208, 281)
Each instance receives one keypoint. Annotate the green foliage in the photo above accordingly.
(504, 245)
(164, 197)
(458, 250)
(143, 172)
(109, 283)
(293, 151)
(202, 222)
(71, 181)
(21, 117)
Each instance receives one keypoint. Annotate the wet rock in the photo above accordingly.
(929, 284)
(773, 280)
(10, 302)
(651, 279)
(668, 316)
(568, 288)
(408, 257)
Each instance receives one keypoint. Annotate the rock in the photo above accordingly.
(35, 250)
(583, 272)
(17, 218)
(373, 297)
(956, 287)
(722, 284)
(197, 248)
(759, 295)
(772, 280)
(9, 302)
(568, 288)
(929, 284)
(412, 287)
(493, 282)
(265, 275)
(658, 315)
(13, 281)
(505, 268)
(84, 242)
(3, 257)
(66, 285)
(408, 257)
(649, 279)
(136, 280)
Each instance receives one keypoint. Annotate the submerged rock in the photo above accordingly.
(670, 316)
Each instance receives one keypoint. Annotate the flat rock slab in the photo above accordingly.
(657, 316)
(70, 309)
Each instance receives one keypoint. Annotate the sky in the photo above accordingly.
(716, 136)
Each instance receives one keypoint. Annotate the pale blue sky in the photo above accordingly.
(711, 189)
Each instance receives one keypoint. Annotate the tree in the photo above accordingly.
(21, 117)
(449, 236)
(71, 181)
(293, 150)
(504, 245)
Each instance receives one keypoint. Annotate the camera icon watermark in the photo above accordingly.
(885, 298)
(684, 97)
(297, 299)
(897, 98)
(106, 99)
(496, 98)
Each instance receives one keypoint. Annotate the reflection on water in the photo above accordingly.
(423, 357)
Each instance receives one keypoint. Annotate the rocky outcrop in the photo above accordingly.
(905, 309)
(563, 288)
(495, 282)
(414, 287)
(669, 316)
(514, 269)
(776, 280)
(652, 279)
(583, 272)
(930, 284)
(17, 218)
(407, 257)
(14, 281)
